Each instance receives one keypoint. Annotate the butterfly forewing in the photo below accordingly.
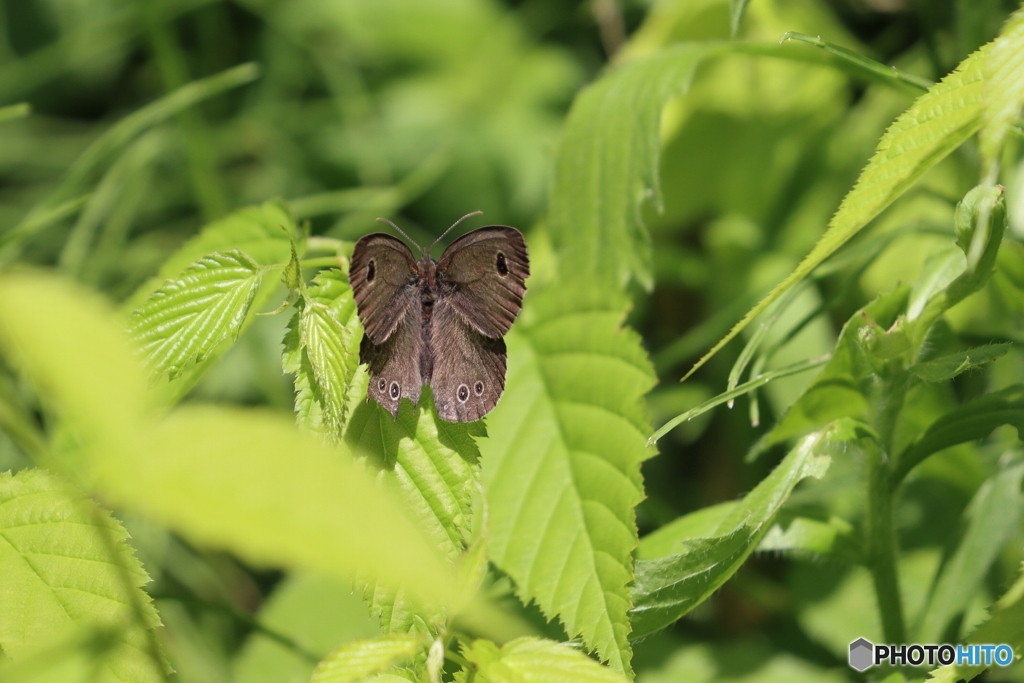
(483, 275)
(382, 275)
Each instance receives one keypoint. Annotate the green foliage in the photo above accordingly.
(308, 534)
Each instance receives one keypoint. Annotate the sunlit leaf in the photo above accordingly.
(533, 660)
(355, 661)
(668, 587)
(562, 466)
(187, 317)
(1004, 87)
(433, 466)
(607, 167)
(992, 516)
(936, 124)
(948, 367)
(804, 536)
(66, 564)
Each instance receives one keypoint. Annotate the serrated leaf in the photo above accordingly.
(562, 464)
(329, 335)
(191, 314)
(936, 123)
(1006, 625)
(255, 230)
(668, 587)
(359, 659)
(433, 466)
(59, 575)
(992, 516)
(1004, 87)
(535, 660)
(607, 167)
(948, 367)
(974, 420)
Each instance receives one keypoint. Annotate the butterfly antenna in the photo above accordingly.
(474, 213)
(385, 220)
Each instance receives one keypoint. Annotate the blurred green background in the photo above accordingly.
(424, 111)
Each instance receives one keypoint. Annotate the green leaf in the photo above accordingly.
(737, 8)
(667, 539)
(535, 660)
(668, 587)
(66, 565)
(948, 367)
(562, 466)
(355, 661)
(187, 317)
(255, 230)
(433, 467)
(974, 420)
(805, 536)
(992, 517)
(329, 335)
(861, 65)
(1004, 87)
(839, 390)
(936, 124)
(607, 167)
(1006, 625)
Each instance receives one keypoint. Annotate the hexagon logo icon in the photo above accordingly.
(861, 654)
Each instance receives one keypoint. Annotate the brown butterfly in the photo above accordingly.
(439, 322)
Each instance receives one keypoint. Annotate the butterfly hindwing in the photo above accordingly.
(469, 368)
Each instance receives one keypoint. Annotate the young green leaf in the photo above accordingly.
(66, 565)
(433, 466)
(974, 420)
(562, 466)
(534, 660)
(607, 167)
(948, 367)
(355, 661)
(936, 124)
(187, 317)
(668, 587)
(992, 516)
(329, 334)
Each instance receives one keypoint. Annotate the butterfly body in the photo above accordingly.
(439, 323)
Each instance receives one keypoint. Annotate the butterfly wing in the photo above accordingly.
(468, 367)
(482, 275)
(383, 277)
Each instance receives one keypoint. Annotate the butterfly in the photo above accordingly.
(439, 322)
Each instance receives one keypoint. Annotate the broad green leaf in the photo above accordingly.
(936, 124)
(315, 613)
(838, 391)
(433, 467)
(668, 587)
(562, 464)
(607, 167)
(1004, 87)
(115, 139)
(187, 317)
(66, 565)
(534, 660)
(974, 420)
(355, 661)
(1006, 625)
(992, 517)
(805, 536)
(261, 232)
(948, 367)
(329, 333)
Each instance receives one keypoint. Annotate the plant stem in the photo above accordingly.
(882, 546)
